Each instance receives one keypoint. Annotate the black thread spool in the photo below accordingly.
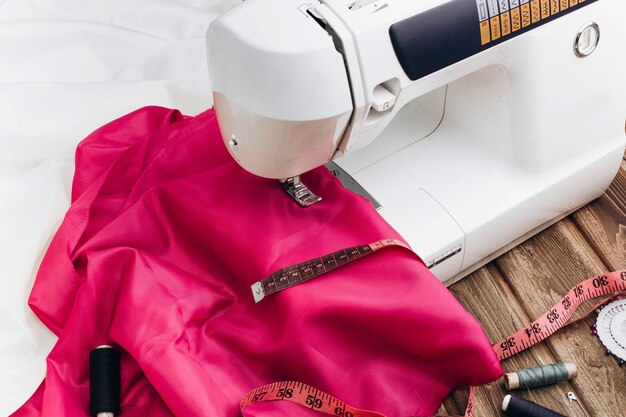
(519, 407)
(104, 381)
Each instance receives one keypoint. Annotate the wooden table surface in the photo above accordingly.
(520, 285)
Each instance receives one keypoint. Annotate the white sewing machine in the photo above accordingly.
(471, 124)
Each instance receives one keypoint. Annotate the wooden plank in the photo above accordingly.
(539, 272)
(448, 408)
(603, 223)
(487, 296)
(524, 283)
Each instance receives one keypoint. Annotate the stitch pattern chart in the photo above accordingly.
(502, 18)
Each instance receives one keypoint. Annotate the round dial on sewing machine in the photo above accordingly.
(587, 40)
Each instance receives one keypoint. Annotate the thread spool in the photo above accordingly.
(541, 376)
(104, 381)
(519, 407)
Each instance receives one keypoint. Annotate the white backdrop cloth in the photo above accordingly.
(66, 68)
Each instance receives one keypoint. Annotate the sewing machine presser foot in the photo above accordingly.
(300, 192)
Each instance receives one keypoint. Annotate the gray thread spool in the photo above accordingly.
(541, 376)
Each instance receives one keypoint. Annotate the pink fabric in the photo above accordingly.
(157, 253)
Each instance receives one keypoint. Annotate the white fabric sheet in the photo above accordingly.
(66, 68)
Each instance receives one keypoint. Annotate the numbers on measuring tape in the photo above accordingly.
(297, 274)
(284, 393)
(578, 291)
(567, 303)
(258, 396)
(340, 411)
(508, 343)
(306, 396)
(534, 329)
(553, 315)
(600, 281)
(313, 402)
(556, 317)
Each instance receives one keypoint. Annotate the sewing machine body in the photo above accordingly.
(466, 152)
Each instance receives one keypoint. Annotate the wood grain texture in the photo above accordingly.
(487, 295)
(603, 223)
(540, 272)
(449, 408)
(523, 283)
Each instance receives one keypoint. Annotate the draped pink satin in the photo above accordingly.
(156, 256)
